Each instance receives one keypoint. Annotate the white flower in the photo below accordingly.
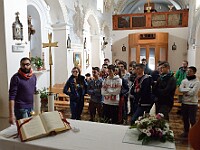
(148, 133)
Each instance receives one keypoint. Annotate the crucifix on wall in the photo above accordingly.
(50, 44)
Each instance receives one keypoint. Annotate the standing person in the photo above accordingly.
(94, 90)
(110, 90)
(180, 75)
(104, 71)
(107, 61)
(147, 70)
(133, 75)
(164, 90)
(189, 87)
(142, 93)
(22, 88)
(76, 87)
(123, 93)
(126, 76)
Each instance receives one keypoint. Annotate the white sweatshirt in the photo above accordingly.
(111, 88)
(190, 89)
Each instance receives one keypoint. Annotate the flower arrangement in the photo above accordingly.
(153, 128)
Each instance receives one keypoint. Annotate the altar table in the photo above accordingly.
(84, 136)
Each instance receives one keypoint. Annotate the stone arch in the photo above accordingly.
(91, 30)
(39, 11)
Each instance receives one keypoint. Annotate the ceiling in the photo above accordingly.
(134, 6)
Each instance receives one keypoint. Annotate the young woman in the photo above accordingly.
(75, 87)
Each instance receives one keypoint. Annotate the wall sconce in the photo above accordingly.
(174, 47)
(123, 48)
(104, 41)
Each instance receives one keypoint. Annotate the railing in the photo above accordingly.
(151, 20)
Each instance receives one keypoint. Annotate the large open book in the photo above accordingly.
(41, 125)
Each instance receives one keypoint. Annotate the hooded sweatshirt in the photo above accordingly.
(111, 88)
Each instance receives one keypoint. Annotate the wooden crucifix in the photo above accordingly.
(50, 44)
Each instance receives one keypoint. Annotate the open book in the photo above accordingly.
(41, 125)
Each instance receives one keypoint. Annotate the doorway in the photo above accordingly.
(153, 50)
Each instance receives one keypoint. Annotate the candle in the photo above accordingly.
(36, 104)
(51, 102)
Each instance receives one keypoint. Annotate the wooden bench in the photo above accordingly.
(63, 100)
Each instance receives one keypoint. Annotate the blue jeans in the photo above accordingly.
(76, 109)
(23, 113)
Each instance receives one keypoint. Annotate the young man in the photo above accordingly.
(111, 88)
(147, 70)
(94, 90)
(106, 61)
(22, 88)
(164, 90)
(180, 75)
(189, 87)
(141, 92)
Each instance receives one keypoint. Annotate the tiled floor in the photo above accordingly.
(176, 125)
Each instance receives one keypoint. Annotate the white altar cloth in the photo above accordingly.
(92, 136)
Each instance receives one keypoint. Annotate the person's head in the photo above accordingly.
(144, 61)
(191, 71)
(105, 67)
(87, 76)
(25, 65)
(185, 64)
(111, 70)
(122, 65)
(95, 71)
(76, 71)
(132, 65)
(118, 71)
(140, 69)
(106, 61)
(116, 61)
(164, 67)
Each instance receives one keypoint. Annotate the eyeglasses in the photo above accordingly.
(105, 67)
(27, 64)
(74, 71)
(121, 66)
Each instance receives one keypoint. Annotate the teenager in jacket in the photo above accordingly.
(141, 91)
(94, 90)
(164, 90)
(76, 87)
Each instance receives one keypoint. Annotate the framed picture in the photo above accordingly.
(17, 28)
(77, 58)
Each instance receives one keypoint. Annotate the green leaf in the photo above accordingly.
(141, 136)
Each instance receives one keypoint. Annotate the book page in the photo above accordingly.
(52, 122)
(32, 129)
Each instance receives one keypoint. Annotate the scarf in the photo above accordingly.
(191, 77)
(166, 76)
(25, 75)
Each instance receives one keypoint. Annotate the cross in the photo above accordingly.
(50, 44)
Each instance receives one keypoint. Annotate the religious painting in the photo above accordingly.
(124, 22)
(17, 28)
(77, 59)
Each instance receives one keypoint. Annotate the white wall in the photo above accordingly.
(10, 60)
(177, 35)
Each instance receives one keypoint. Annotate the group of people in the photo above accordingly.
(111, 88)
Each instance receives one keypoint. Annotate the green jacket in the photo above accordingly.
(180, 75)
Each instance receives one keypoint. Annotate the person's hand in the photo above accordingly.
(12, 119)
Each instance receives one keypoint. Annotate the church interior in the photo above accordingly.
(62, 34)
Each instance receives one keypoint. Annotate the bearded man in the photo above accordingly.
(22, 88)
